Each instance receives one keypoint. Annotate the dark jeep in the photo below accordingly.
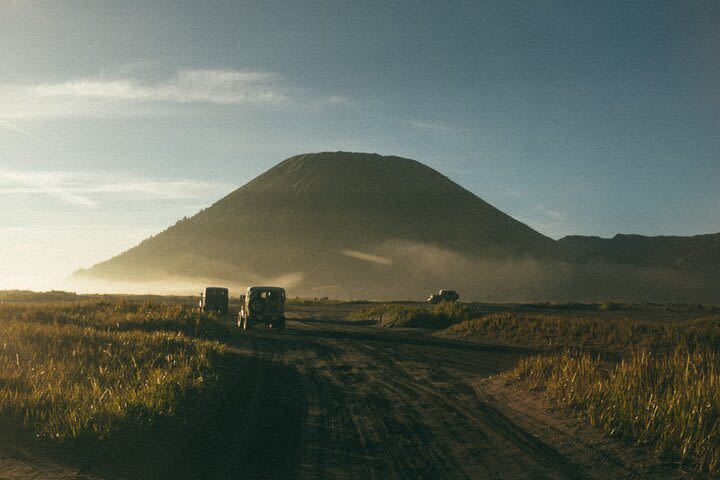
(214, 300)
(444, 296)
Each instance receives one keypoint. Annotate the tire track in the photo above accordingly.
(332, 400)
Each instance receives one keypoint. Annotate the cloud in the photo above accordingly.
(84, 188)
(9, 126)
(127, 96)
(549, 213)
(430, 126)
(170, 190)
(546, 220)
(368, 257)
(337, 100)
(61, 185)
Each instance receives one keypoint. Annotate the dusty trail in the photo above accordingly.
(331, 399)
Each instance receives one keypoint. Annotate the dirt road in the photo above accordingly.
(330, 399)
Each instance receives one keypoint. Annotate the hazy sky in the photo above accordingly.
(118, 118)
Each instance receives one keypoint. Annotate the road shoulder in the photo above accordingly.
(586, 446)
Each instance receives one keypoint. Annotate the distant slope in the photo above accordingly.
(699, 253)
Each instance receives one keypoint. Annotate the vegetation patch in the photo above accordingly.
(87, 372)
(436, 316)
(304, 302)
(118, 316)
(30, 296)
(619, 335)
(668, 401)
(651, 383)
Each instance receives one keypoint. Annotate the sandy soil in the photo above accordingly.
(340, 400)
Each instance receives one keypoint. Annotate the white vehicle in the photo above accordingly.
(444, 296)
(264, 305)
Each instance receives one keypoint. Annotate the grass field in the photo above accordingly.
(669, 402)
(85, 372)
(647, 382)
(395, 315)
(587, 331)
(100, 374)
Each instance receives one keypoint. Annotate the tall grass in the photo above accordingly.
(305, 302)
(543, 330)
(118, 315)
(669, 401)
(659, 386)
(30, 296)
(88, 370)
(439, 315)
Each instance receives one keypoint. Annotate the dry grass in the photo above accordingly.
(436, 316)
(87, 370)
(660, 386)
(590, 332)
(669, 402)
(305, 302)
(116, 316)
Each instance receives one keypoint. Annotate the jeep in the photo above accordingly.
(444, 296)
(214, 300)
(264, 305)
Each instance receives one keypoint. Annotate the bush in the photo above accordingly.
(668, 401)
(436, 316)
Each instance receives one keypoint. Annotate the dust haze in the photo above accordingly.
(401, 269)
(174, 285)
(426, 268)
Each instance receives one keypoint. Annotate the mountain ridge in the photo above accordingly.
(357, 225)
(700, 253)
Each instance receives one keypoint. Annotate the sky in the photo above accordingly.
(117, 118)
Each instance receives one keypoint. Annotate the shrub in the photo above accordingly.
(668, 401)
(589, 332)
(435, 316)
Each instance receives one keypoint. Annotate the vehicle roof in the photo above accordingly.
(215, 288)
(274, 289)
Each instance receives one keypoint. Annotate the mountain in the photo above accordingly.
(698, 254)
(332, 223)
(356, 225)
